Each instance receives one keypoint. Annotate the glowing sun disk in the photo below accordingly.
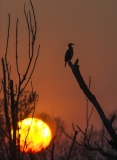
(34, 135)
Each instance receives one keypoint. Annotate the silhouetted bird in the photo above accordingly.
(69, 53)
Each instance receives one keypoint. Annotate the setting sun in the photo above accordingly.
(35, 135)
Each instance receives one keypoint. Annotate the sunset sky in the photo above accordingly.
(92, 26)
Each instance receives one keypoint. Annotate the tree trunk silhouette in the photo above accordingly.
(12, 93)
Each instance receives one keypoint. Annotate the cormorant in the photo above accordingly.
(69, 53)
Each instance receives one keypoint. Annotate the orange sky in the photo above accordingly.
(92, 26)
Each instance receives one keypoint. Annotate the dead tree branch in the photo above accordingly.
(107, 123)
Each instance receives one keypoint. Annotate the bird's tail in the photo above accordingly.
(65, 64)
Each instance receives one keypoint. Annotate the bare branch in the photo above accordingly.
(7, 39)
(32, 70)
(17, 67)
(11, 105)
(73, 142)
(8, 69)
(34, 18)
(26, 16)
(33, 33)
(112, 119)
(31, 27)
(92, 98)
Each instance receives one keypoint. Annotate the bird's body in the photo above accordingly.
(69, 53)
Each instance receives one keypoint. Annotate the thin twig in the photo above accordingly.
(73, 142)
(26, 16)
(34, 18)
(7, 44)
(17, 67)
(32, 70)
(8, 69)
(31, 28)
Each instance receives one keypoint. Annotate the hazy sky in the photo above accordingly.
(92, 26)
